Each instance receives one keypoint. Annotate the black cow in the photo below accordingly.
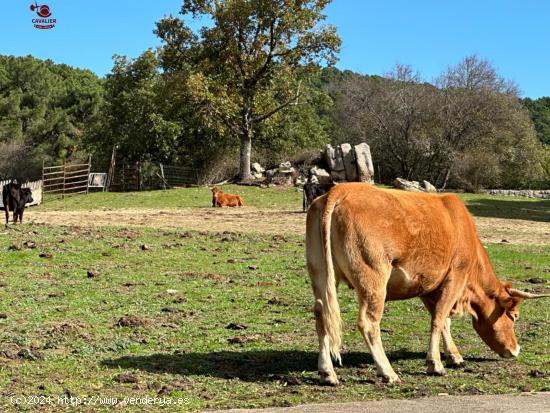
(312, 191)
(14, 199)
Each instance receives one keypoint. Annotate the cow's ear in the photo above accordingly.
(511, 303)
(507, 299)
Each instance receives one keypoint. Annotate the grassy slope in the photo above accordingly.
(59, 335)
(280, 198)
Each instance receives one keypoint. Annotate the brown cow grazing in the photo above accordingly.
(394, 245)
(219, 199)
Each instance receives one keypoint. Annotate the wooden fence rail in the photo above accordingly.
(177, 176)
(134, 176)
(66, 179)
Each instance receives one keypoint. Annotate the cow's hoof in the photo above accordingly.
(328, 379)
(454, 361)
(390, 378)
(434, 369)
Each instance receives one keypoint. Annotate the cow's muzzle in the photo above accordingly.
(507, 354)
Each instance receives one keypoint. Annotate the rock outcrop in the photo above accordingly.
(413, 186)
(349, 163)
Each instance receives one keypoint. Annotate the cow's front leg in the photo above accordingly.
(452, 356)
(440, 308)
(433, 359)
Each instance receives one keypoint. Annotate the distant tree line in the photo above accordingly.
(468, 129)
(250, 87)
(45, 111)
(539, 110)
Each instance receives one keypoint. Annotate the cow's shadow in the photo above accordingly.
(536, 210)
(253, 365)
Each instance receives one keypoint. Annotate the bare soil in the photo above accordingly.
(258, 220)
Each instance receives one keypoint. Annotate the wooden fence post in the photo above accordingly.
(162, 177)
(112, 166)
(42, 186)
(64, 178)
(89, 170)
(138, 172)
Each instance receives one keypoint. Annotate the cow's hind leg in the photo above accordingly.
(371, 293)
(324, 363)
(452, 355)
(317, 274)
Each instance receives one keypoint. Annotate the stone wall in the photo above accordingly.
(526, 193)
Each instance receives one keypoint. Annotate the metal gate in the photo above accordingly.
(66, 179)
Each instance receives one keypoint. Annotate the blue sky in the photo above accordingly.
(427, 34)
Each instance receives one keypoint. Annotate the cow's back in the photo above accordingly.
(422, 235)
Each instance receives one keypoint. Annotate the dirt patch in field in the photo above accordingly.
(247, 219)
(271, 221)
(514, 231)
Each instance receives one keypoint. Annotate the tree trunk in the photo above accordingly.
(244, 164)
(447, 175)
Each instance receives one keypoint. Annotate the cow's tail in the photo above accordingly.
(331, 309)
(240, 201)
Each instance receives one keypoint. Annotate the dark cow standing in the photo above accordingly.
(14, 199)
(312, 191)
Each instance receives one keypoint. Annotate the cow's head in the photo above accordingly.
(215, 191)
(495, 323)
(26, 196)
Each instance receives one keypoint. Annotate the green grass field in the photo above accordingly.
(220, 320)
(276, 197)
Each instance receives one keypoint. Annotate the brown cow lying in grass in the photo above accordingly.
(219, 199)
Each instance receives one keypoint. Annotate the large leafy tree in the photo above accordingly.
(132, 117)
(242, 68)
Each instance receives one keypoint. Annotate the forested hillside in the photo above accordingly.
(45, 109)
(539, 110)
(467, 130)
(459, 132)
